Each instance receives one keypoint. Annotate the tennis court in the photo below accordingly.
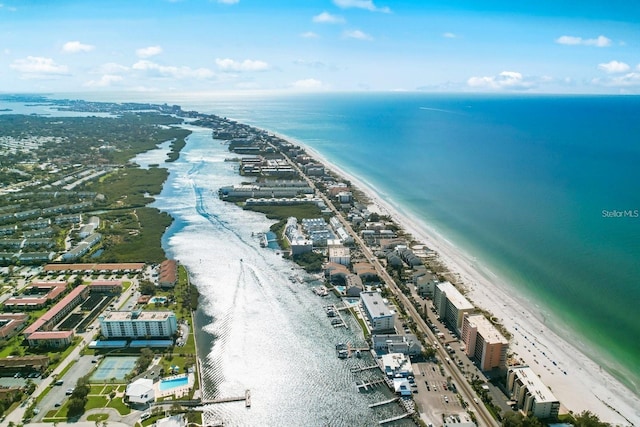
(114, 367)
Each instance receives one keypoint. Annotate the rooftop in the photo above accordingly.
(534, 384)
(489, 333)
(454, 296)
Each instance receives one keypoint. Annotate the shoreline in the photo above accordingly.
(537, 344)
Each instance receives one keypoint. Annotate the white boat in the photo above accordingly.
(321, 291)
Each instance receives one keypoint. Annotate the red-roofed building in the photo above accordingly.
(56, 339)
(124, 267)
(48, 320)
(35, 296)
(106, 286)
(168, 274)
(10, 324)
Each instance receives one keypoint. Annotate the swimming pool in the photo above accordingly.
(168, 384)
(160, 300)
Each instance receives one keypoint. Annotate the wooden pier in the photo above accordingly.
(246, 398)
(336, 310)
(364, 368)
(396, 418)
(384, 402)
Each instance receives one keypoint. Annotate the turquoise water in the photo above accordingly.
(173, 383)
(542, 190)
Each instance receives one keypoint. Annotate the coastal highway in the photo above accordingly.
(464, 388)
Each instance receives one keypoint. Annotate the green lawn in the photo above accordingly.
(98, 417)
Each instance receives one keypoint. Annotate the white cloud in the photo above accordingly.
(38, 67)
(309, 35)
(449, 36)
(227, 64)
(510, 80)
(357, 34)
(147, 52)
(76, 47)
(157, 70)
(112, 68)
(614, 67)
(624, 81)
(361, 4)
(105, 80)
(228, 1)
(9, 8)
(307, 84)
(600, 41)
(327, 18)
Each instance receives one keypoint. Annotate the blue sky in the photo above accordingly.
(319, 45)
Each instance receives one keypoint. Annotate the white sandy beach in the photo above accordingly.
(584, 386)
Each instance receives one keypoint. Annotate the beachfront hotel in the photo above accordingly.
(451, 305)
(380, 317)
(531, 395)
(138, 324)
(484, 342)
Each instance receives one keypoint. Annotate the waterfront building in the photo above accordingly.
(451, 305)
(335, 272)
(339, 255)
(138, 324)
(484, 342)
(531, 395)
(408, 345)
(298, 243)
(353, 285)
(425, 283)
(168, 273)
(380, 317)
(396, 365)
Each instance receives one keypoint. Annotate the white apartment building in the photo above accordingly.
(531, 394)
(450, 305)
(138, 324)
(381, 318)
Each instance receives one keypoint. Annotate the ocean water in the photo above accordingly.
(543, 191)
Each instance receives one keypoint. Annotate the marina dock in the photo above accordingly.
(333, 311)
(364, 386)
